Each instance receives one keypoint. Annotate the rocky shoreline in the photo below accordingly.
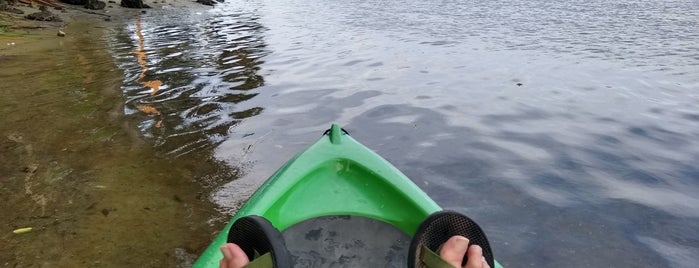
(17, 16)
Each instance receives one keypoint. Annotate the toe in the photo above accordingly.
(475, 257)
(454, 249)
(233, 256)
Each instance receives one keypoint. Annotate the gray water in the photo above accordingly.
(567, 129)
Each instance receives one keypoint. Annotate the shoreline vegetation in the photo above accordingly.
(79, 184)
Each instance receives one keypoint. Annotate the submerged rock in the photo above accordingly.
(206, 2)
(134, 4)
(43, 15)
(75, 2)
(95, 4)
(61, 33)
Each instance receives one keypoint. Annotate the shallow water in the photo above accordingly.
(567, 129)
(80, 175)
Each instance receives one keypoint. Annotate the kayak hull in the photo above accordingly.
(336, 176)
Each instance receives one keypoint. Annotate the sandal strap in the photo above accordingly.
(432, 260)
(264, 261)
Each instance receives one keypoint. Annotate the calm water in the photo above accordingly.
(568, 129)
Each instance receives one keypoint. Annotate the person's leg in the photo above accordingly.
(452, 251)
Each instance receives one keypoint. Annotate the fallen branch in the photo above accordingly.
(30, 27)
(48, 3)
(42, 2)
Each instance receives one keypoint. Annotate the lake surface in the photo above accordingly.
(568, 129)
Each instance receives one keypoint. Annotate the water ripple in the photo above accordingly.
(569, 128)
(188, 82)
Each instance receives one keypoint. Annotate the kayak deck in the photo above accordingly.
(346, 241)
(341, 186)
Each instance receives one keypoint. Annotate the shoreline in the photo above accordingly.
(17, 24)
(78, 172)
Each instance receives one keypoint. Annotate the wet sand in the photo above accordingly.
(81, 175)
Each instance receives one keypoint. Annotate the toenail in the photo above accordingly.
(461, 243)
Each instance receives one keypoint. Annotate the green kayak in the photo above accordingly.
(337, 203)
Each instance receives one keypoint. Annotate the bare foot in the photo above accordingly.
(454, 249)
(453, 252)
(233, 256)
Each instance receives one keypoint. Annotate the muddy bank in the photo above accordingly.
(73, 169)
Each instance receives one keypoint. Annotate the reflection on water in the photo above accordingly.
(187, 81)
(154, 85)
(568, 128)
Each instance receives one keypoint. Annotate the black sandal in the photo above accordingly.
(262, 243)
(435, 230)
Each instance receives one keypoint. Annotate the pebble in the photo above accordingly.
(61, 33)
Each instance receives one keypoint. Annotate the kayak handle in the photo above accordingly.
(335, 133)
(327, 132)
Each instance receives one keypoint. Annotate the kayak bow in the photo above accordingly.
(336, 176)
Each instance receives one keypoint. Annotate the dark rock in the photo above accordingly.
(143, 11)
(134, 4)
(75, 2)
(206, 2)
(519, 84)
(95, 4)
(108, 19)
(43, 15)
(111, 2)
(58, 8)
(105, 212)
